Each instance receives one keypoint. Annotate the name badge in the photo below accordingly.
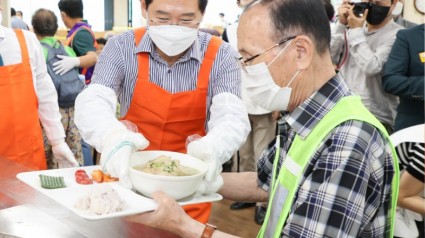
(422, 57)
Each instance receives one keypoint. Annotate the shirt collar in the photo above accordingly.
(146, 45)
(50, 40)
(389, 25)
(306, 116)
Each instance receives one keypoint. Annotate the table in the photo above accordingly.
(17, 198)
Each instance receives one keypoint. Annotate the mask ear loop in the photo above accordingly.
(281, 52)
(147, 20)
(292, 79)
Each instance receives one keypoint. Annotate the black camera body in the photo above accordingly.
(360, 7)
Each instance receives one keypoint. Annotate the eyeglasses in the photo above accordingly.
(244, 62)
(166, 21)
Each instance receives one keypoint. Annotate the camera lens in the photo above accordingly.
(360, 7)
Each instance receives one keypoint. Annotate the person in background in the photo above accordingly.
(397, 14)
(360, 47)
(403, 76)
(45, 25)
(410, 147)
(178, 85)
(82, 40)
(330, 171)
(223, 21)
(330, 11)
(17, 22)
(28, 97)
(20, 15)
(101, 42)
(263, 130)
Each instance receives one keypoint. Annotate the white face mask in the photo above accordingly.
(172, 39)
(262, 89)
(398, 9)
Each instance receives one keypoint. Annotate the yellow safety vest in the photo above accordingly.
(282, 193)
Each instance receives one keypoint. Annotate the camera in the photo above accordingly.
(360, 7)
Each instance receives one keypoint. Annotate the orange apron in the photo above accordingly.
(21, 139)
(167, 119)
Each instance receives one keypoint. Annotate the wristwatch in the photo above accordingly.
(208, 231)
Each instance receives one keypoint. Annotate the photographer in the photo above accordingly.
(360, 45)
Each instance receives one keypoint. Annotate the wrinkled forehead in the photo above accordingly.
(255, 29)
(256, 20)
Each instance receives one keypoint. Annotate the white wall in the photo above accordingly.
(120, 13)
(411, 14)
(214, 7)
(5, 14)
(93, 11)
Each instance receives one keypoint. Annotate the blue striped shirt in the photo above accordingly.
(117, 68)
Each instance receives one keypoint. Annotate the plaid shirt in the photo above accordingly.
(346, 188)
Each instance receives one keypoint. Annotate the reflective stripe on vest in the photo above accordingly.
(283, 192)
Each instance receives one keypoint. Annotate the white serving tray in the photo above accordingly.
(134, 203)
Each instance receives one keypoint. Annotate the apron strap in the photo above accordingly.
(23, 45)
(208, 61)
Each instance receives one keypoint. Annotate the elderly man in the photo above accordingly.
(330, 171)
(17, 22)
(263, 128)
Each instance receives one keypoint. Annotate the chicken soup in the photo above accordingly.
(164, 165)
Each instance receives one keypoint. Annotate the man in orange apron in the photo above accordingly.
(27, 96)
(172, 82)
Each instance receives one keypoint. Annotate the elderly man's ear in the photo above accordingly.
(305, 50)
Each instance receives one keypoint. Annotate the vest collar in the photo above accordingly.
(301, 119)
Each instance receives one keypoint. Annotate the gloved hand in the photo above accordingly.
(117, 146)
(204, 149)
(63, 155)
(66, 64)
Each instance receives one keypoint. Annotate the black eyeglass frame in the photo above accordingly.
(243, 62)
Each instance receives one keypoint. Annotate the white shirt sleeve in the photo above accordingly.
(228, 125)
(337, 42)
(371, 61)
(48, 108)
(95, 109)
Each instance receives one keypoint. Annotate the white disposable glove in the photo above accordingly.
(63, 155)
(117, 146)
(66, 64)
(203, 149)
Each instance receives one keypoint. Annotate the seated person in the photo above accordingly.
(410, 149)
